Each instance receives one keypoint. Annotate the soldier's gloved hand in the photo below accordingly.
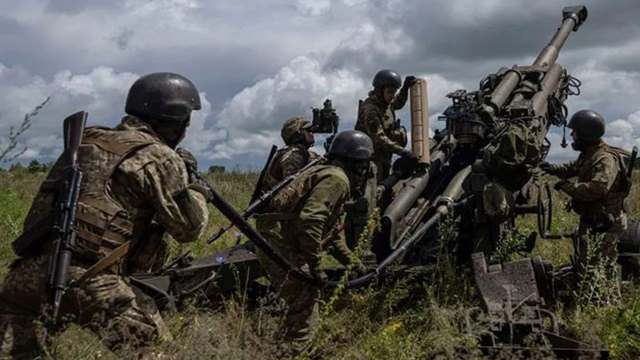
(409, 81)
(189, 160)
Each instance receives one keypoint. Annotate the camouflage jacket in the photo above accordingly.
(133, 184)
(287, 161)
(601, 186)
(378, 120)
(310, 207)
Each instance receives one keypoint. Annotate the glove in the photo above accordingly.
(190, 162)
(409, 81)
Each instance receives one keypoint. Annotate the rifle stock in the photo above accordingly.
(263, 173)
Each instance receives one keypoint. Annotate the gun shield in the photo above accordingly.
(420, 121)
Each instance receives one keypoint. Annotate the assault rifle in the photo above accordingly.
(65, 207)
(263, 199)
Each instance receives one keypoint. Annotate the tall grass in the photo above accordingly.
(420, 315)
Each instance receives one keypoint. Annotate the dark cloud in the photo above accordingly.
(260, 62)
(123, 38)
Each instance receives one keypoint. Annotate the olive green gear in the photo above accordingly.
(588, 125)
(386, 78)
(163, 96)
(291, 129)
(352, 144)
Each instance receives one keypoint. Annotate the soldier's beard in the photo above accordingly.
(576, 146)
(581, 145)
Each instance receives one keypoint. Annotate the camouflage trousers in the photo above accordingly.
(302, 299)
(592, 248)
(105, 304)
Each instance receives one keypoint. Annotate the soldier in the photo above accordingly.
(376, 118)
(133, 181)
(599, 192)
(298, 139)
(305, 213)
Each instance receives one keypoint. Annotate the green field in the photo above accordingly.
(418, 318)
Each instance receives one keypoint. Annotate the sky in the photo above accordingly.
(257, 63)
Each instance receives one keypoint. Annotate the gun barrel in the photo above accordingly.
(573, 17)
(551, 78)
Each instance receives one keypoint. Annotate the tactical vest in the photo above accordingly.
(289, 200)
(614, 203)
(102, 224)
(274, 172)
(621, 186)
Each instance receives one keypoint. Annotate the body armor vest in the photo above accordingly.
(102, 223)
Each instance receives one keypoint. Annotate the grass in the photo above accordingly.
(419, 316)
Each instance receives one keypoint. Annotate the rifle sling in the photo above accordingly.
(104, 263)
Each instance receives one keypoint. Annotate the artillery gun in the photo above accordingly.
(480, 168)
(493, 140)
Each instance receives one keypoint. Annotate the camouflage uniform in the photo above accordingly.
(130, 178)
(287, 161)
(378, 120)
(597, 196)
(305, 215)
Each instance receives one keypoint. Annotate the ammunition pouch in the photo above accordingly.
(100, 228)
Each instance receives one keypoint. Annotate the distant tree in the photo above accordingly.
(34, 166)
(216, 169)
(16, 167)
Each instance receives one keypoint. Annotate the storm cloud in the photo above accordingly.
(258, 63)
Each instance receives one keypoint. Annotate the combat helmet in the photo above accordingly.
(163, 96)
(292, 129)
(588, 126)
(387, 78)
(351, 144)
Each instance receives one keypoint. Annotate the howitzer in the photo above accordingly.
(65, 207)
(496, 135)
(482, 166)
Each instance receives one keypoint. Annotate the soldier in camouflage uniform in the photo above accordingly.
(599, 192)
(134, 183)
(298, 138)
(376, 118)
(306, 213)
